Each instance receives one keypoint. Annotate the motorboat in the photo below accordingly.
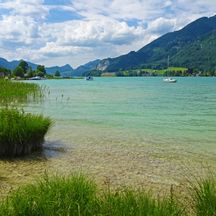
(170, 80)
(35, 78)
(89, 78)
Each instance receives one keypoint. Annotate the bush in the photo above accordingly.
(21, 133)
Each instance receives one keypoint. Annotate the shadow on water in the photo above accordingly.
(50, 149)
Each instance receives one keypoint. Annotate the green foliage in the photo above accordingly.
(5, 71)
(200, 55)
(24, 65)
(18, 72)
(57, 74)
(204, 197)
(40, 71)
(30, 74)
(18, 92)
(21, 133)
(77, 195)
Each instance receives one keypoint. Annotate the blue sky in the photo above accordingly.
(57, 32)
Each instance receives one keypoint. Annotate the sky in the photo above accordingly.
(58, 32)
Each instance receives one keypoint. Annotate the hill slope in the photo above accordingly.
(155, 54)
(201, 54)
(83, 69)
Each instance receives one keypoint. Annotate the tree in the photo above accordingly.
(19, 72)
(5, 71)
(24, 65)
(41, 68)
(57, 74)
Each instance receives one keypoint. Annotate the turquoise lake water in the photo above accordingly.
(124, 131)
(134, 111)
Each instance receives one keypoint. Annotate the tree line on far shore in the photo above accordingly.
(23, 70)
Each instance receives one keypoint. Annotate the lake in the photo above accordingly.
(125, 131)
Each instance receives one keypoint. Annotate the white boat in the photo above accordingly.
(35, 78)
(170, 80)
(89, 78)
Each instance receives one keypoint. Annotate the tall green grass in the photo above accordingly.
(21, 133)
(18, 92)
(77, 195)
(204, 197)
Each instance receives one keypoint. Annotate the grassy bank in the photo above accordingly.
(18, 92)
(21, 133)
(77, 195)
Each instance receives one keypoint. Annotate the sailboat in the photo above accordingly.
(169, 79)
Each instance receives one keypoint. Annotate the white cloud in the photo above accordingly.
(18, 29)
(162, 25)
(91, 33)
(108, 27)
(24, 7)
(121, 9)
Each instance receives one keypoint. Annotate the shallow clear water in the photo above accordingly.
(127, 109)
(138, 131)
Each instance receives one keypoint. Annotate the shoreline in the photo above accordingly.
(117, 167)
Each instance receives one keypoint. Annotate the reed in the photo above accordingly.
(21, 133)
(204, 197)
(77, 195)
(14, 92)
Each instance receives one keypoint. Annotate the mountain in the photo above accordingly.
(83, 69)
(9, 65)
(65, 70)
(200, 54)
(173, 45)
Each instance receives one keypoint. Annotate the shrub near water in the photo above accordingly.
(21, 133)
(76, 195)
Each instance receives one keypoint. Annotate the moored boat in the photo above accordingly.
(170, 80)
(35, 78)
(89, 78)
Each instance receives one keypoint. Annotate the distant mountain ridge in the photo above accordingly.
(65, 70)
(172, 45)
(83, 69)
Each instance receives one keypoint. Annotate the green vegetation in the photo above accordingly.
(18, 92)
(4, 72)
(77, 195)
(21, 133)
(57, 74)
(204, 197)
(171, 71)
(24, 70)
(199, 55)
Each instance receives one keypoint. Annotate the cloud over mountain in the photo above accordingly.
(75, 31)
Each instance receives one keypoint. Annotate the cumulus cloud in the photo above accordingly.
(162, 25)
(106, 28)
(34, 8)
(91, 33)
